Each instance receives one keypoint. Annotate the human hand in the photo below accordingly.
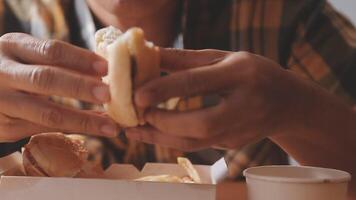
(31, 70)
(257, 99)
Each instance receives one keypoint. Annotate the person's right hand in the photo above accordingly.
(31, 70)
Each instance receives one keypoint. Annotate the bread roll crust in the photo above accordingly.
(54, 155)
(119, 79)
(132, 62)
(147, 59)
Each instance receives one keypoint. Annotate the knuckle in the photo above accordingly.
(51, 117)
(42, 78)
(52, 50)
(78, 86)
(250, 69)
(85, 124)
(243, 54)
(4, 62)
(6, 66)
(193, 84)
(7, 39)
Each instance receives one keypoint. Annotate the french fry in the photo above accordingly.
(161, 178)
(187, 165)
(187, 179)
(170, 104)
(192, 177)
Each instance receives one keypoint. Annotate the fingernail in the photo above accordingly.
(109, 130)
(100, 67)
(101, 93)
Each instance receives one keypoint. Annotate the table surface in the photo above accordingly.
(231, 191)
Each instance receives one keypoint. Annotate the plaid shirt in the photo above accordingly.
(300, 35)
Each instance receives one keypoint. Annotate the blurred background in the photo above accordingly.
(348, 7)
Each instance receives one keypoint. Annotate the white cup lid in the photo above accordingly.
(297, 174)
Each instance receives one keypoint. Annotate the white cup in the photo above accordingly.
(296, 183)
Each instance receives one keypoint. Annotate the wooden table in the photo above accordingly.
(231, 191)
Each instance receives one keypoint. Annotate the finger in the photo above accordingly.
(49, 114)
(179, 59)
(152, 136)
(199, 81)
(52, 52)
(239, 135)
(47, 80)
(198, 124)
(13, 129)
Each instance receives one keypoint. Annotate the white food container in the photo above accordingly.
(117, 185)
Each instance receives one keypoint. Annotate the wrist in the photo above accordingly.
(313, 111)
(303, 101)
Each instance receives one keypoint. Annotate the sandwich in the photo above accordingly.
(132, 61)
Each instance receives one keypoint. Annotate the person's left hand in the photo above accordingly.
(258, 98)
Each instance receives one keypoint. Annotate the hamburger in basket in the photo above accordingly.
(60, 155)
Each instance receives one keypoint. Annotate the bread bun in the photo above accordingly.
(132, 62)
(55, 155)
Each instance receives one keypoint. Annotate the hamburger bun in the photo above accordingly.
(132, 62)
(56, 155)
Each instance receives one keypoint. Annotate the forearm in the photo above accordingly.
(326, 137)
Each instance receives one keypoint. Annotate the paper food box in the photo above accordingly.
(118, 183)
